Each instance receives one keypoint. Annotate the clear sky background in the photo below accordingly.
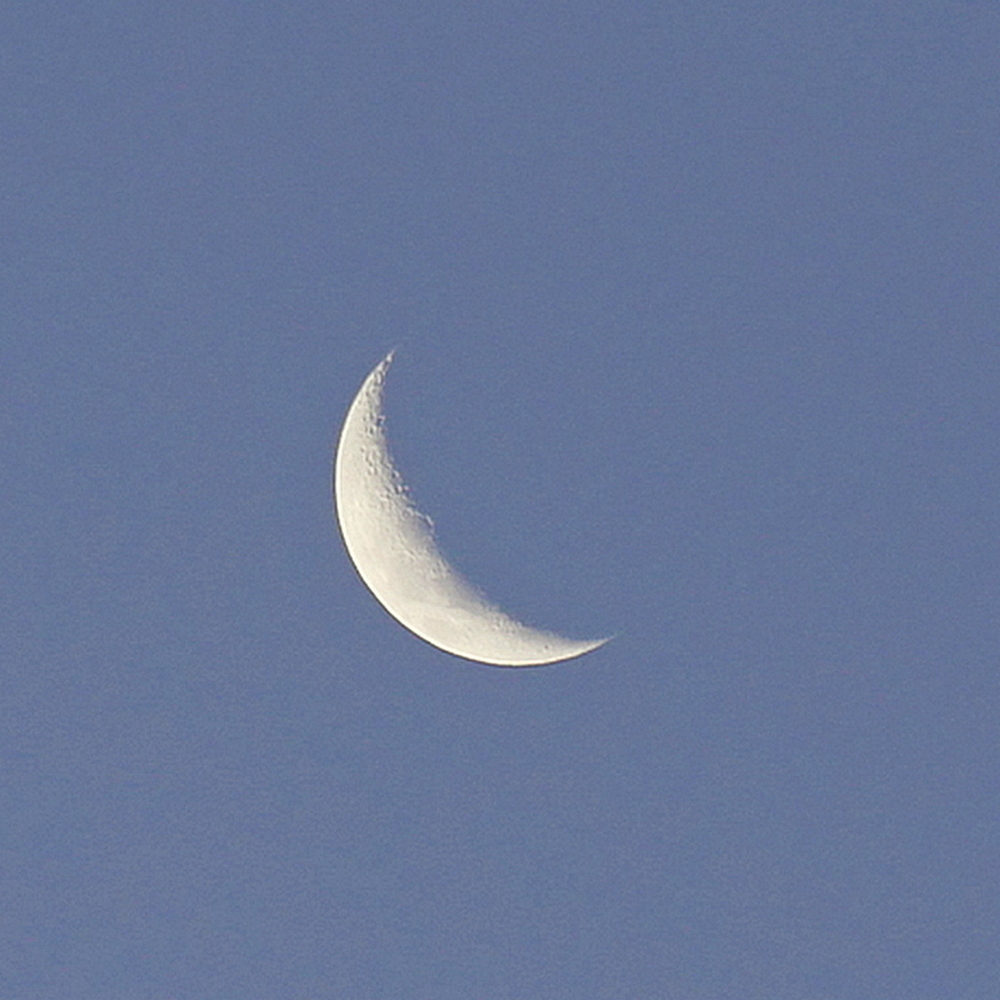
(696, 314)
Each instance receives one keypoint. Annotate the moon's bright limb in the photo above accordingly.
(393, 549)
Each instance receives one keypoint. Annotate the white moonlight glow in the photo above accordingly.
(392, 546)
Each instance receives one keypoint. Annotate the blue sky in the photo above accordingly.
(696, 315)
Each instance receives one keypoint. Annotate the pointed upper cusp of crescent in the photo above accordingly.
(393, 549)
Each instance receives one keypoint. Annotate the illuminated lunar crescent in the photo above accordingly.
(393, 549)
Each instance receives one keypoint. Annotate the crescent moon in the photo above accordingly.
(393, 549)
